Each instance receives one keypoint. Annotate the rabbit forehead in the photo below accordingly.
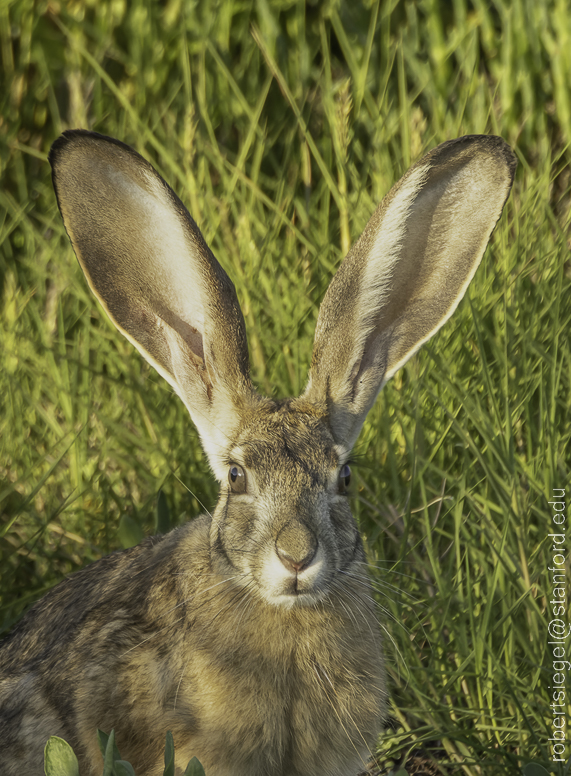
(288, 440)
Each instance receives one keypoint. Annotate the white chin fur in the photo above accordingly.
(281, 587)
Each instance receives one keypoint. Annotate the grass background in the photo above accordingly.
(281, 125)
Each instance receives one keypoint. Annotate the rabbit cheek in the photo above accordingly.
(230, 532)
(347, 537)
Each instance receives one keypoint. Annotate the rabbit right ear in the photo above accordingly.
(147, 263)
(406, 274)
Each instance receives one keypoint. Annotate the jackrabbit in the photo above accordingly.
(250, 633)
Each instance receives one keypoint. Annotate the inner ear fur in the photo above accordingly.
(149, 266)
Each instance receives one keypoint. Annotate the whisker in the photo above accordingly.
(349, 612)
(180, 619)
(152, 636)
(318, 667)
(240, 594)
(193, 494)
(379, 585)
(390, 568)
(178, 687)
(358, 603)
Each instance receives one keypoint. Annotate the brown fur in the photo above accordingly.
(164, 637)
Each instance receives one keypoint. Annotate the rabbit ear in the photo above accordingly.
(147, 263)
(406, 275)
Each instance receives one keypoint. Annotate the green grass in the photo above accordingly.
(281, 125)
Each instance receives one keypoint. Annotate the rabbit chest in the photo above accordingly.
(291, 694)
(249, 688)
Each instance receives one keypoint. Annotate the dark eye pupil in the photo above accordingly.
(237, 479)
(344, 477)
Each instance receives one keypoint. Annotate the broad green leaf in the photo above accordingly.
(103, 740)
(59, 758)
(194, 768)
(534, 769)
(123, 768)
(130, 532)
(109, 755)
(169, 755)
(163, 519)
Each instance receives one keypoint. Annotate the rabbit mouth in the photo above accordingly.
(282, 584)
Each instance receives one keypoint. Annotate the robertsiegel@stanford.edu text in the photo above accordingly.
(558, 628)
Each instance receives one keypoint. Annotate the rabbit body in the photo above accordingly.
(177, 634)
(251, 634)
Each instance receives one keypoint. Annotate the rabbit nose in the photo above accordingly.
(296, 546)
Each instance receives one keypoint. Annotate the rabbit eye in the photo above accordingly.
(344, 478)
(237, 479)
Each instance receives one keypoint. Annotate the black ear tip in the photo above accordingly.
(67, 138)
(494, 145)
(56, 148)
(86, 140)
(498, 146)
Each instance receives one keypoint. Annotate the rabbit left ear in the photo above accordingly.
(406, 274)
(148, 264)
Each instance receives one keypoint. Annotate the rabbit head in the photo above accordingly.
(292, 683)
(282, 465)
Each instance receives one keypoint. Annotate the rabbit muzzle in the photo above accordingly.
(298, 560)
(296, 546)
